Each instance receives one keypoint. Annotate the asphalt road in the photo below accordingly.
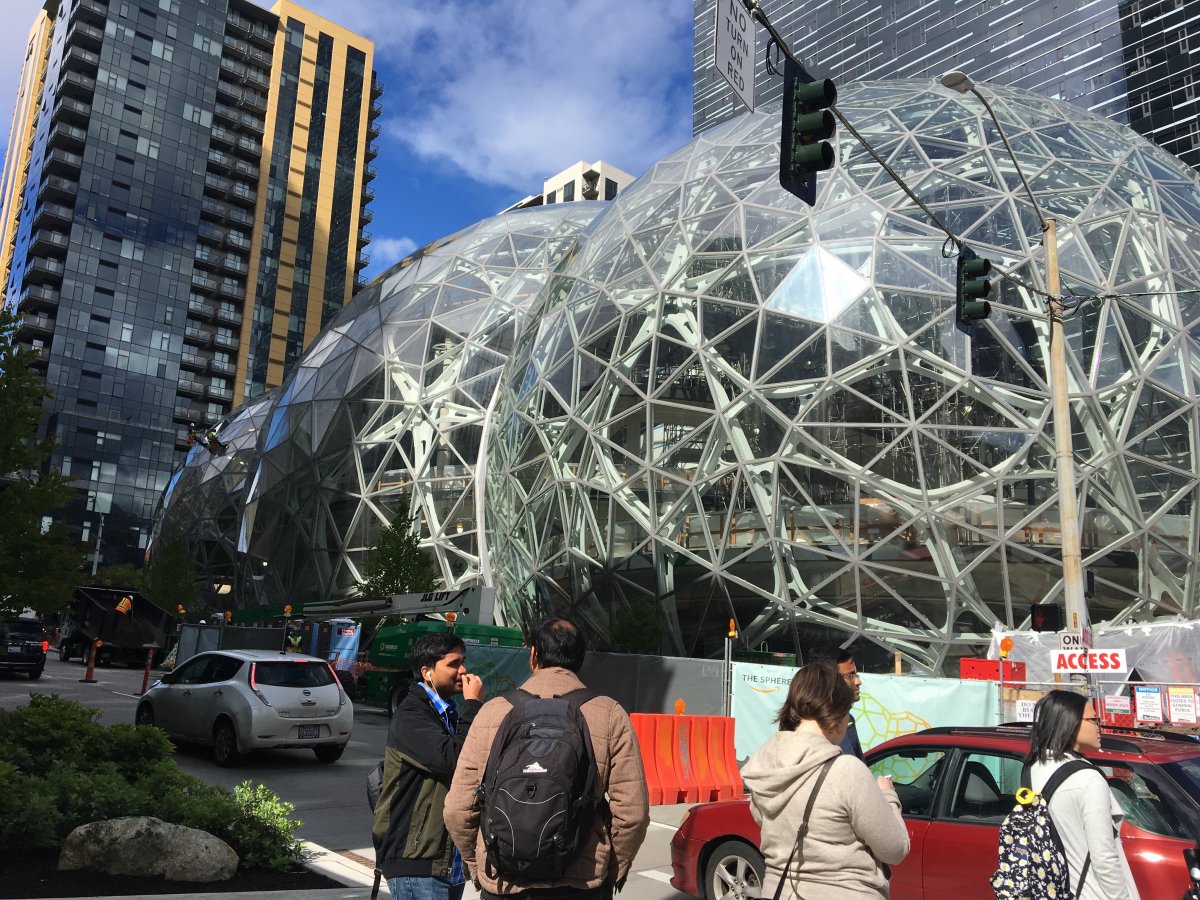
(330, 799)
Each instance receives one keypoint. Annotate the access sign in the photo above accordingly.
(735, 48)
(1089, 662)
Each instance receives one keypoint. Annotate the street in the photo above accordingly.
(331, 800)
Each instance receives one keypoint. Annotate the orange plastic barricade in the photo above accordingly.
(666, 759)
(643, 727)
(684, 750)
(723, 759)
(702, 768)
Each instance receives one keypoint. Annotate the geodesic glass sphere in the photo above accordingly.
(382, 414)
(738, 407)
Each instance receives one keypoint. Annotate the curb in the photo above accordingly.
(340, 868)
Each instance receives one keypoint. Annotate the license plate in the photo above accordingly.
(16, 648)
(309, 731)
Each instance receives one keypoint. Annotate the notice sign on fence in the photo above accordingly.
(735, 48)
(1103, 661)
(1181, 705)
(1147, 704)
(1117, 706)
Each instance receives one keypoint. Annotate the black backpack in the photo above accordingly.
(1033, 865)
(538, 794)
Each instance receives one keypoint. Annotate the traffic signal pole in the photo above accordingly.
(1064, 451)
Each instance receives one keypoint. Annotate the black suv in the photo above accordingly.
(23, 647)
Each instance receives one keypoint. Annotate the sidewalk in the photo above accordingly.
(653, 862)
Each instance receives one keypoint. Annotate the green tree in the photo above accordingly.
(122, 576)
(397, 564)
(170, 579)
(636, 629)
(40, 564)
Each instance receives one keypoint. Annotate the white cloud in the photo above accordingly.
(387, 252)
(511, 92)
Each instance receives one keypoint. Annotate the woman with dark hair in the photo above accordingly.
(1086, 815)
(800, 776)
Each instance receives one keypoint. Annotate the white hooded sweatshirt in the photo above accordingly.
(854, 828)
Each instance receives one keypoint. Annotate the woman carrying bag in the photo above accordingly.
(1085, 813)
(829, 827)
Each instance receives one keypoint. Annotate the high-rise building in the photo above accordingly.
(1136, 62)
(582, 181)
(184, 197)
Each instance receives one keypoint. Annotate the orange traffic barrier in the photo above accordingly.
(687, 759)
(643, 727)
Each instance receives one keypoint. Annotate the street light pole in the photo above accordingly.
(1072, 554)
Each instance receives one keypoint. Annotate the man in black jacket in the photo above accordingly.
(412, 848)
(849, 672)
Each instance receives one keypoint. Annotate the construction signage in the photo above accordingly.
(1109, 662)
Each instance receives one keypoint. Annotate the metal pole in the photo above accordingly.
(1072, 556)
(96, 556)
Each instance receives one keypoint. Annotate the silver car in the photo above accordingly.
(243, 700)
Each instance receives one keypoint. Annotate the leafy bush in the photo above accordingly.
(60, 768)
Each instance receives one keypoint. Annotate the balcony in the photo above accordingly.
(369, 174)
(199, 309)
(34, 324)
(39, 297)
(212, 232)
(361, 262)
(229, 314)
(375, 111)
(189, 387)
(63, 162)
(364, 238)
(85, 35)
(207, 258)
(203, 282)
(43, 241)
(227, 341)
(80, 60)
(76, 84)
(72, 110)
(367, 195)
(197, 335)
(366, 217)
(234, 264)
(219, 393)
(376, 89)
(246, 169)
(57, 187)
(67, 136)
(220, 367)
(93, 11)
(214, 208)
(253, 31)
(243, 193)
(372, 152)
(220, 161)
(193, 361)
(187, 412)
(42, 269)
(41, 355)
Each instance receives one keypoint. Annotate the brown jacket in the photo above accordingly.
(608, 853)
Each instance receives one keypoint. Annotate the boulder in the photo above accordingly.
(148, 847)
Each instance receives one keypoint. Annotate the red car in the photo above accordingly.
(956, 785)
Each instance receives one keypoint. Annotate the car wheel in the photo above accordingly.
(225, 747)
(144, 715)
(329, 753)
(64, 652)
(35, 674)
(734, 872)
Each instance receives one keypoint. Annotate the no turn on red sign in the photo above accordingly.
(1107, 662)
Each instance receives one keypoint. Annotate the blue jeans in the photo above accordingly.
(407, 887)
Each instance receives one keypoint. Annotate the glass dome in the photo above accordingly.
(383, 412)
(739, 407)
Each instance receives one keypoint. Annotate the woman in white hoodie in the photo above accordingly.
(1085, 813)
(855, 827)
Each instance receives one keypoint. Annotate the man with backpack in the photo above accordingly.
(412, 848)
(549, 797)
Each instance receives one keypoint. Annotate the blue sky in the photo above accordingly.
(484, 99)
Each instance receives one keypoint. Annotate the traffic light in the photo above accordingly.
(1045, 617)
(971, 290)
(807, 126)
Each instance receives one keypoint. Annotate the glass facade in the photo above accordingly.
(129, 230)
(1133, 61)
(737, 406)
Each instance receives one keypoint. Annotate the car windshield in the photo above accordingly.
(28, 629)
(1186, 773)
(293, 674)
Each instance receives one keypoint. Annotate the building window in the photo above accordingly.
(1189, 87)
(568, 192)
(550, 197)
(610, 189)
(1135, 13)
(1139, 60)
(1193, 133)
(1144, 104)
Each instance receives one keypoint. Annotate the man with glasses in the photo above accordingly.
(849, 671)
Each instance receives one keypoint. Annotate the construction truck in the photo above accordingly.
(379, 672)
(127, 625)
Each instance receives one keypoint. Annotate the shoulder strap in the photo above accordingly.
(516, 699)
(803, 829)
(579, 696)
(1061, 774)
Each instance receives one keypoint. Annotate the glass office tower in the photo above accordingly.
(1134, 61)
(184, 195)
